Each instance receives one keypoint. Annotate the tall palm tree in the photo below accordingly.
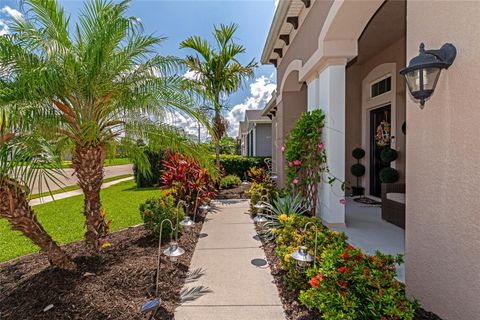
(102, 79)
(217, 73)
(25, 160)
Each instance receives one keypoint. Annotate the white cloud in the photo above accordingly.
(3, 28)
(12, 12)
(192, 75)
(260, 93)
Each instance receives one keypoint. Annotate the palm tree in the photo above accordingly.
(217, 73)
(101, 78)
(20, 168)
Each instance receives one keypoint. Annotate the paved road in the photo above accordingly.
(236, 270)
(69, 179)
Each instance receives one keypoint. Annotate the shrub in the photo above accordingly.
(155, 210)
(239, 165)
(258, 175)
(357, 169)
(257, 190)
(345, 283)
(230, 181)
(155, 158)
(358, 153)
(188, 179)
(389, 175)
(351, 285)
(388, 155)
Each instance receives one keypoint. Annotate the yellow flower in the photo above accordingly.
(287, 257)
(283, 217)
(274, 230)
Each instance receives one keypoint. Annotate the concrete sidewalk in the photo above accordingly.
(235, 270)
(72, 193)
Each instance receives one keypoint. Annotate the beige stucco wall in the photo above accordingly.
(443, 165)
(306, 39)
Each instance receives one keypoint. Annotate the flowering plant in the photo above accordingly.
(382, 134)
(154, 210)
(188, 179)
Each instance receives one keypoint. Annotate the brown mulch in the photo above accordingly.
(294, 310)
(234, 193)
(112, 286)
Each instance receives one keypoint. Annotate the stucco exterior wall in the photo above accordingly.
(443, 165)
(263, 136)
(306, 40)
(288, 112)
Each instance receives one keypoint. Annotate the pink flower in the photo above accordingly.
(282, 148)
(297, 162)
(295, 181)
(290, 164)
(343, 201)
(320, 146)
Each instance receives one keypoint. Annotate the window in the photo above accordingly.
(381, 86)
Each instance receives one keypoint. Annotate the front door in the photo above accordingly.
(379, 140)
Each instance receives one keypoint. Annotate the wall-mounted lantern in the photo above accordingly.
(423, 71)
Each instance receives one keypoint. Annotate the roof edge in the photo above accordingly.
(278, 20)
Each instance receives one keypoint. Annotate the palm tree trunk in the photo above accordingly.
(218, 132)
(88, 165)
(15, 208)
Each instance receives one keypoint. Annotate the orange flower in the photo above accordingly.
(345, 255)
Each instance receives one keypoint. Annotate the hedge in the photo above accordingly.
(239, 165)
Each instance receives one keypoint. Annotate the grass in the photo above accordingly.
(76, 187)
(64, 221)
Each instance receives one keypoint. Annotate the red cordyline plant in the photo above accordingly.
(188, 178)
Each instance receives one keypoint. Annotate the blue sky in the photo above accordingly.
(178, 19)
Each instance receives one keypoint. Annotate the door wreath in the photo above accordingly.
(382, 135)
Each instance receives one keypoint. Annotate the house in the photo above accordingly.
(255, 134)
(345, 57)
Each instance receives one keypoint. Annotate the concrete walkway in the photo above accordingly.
(72, 193)
(236, 270)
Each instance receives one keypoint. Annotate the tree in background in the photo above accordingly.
(228, 145)
(217, 72)
(98, 79)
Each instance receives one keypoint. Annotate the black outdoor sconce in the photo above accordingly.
(423, 71)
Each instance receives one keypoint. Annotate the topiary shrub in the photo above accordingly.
(388, 155)
(358, 153)
(230, 181)
(155, 210)
(389, 175)
(358, 170)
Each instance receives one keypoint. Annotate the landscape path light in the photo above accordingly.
(187, 223)
(303, 258)
(172, 252)
(260, 206)
(423, 70)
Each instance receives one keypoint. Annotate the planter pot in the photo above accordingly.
(357, 191)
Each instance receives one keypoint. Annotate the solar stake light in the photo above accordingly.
(423, 70)
(187, 223)
(303, 258)
(173, 252)
(205, 207)
(260, 206)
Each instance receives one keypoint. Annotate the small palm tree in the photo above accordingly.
(217, 73)
(26, 160)
(101, 78)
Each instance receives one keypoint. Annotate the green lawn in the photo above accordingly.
(63, 219)
(76, 187)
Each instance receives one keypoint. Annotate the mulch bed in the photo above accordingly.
(234, 193)
(294, 310)
(112, 286)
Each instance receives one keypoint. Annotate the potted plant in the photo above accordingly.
(358, 170)
(388, 174)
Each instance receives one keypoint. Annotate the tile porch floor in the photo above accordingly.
(366, 229)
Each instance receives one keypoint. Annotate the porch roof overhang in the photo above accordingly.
(285, 21)
(271, 107)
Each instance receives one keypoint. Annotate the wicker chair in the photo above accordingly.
(393, 211)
